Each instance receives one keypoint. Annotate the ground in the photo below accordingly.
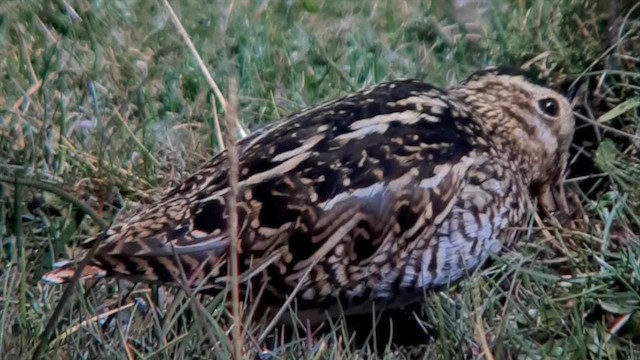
(104, 100)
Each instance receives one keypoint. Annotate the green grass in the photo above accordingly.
(104, 100)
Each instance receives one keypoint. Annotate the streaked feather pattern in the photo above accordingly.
(374, 196)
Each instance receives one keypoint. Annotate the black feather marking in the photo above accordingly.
(210, 217)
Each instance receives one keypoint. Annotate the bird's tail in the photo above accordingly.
(64, 271)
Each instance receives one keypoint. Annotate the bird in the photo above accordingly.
(365, 200)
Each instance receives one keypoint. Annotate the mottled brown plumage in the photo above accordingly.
(376, 196)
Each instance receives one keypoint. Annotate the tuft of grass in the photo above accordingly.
(104, 100)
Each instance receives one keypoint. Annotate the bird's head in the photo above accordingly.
(532, 122)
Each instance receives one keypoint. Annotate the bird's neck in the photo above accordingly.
(508, 139)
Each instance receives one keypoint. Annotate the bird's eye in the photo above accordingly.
(549, 107)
